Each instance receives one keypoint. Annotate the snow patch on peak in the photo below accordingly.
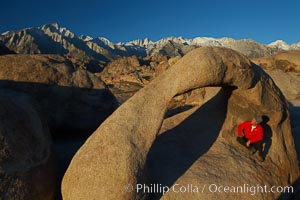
(227, 40)
(85, 38)
(55, 24)
(180, 40)
(5, 33)
(206, 41)
(295, 46)
(102, 42)
(135, 43)
(52, 25)
(280, 44)
(147, 41)
(177, 39)
(203, 39)
(139, 42)
(55, 28)
(66, 32)
(105, 40)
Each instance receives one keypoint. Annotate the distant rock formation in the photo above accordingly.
(26, 161)
(288, 61)
(125, 76)
(128, 75)
(71, 98)
(129, 147)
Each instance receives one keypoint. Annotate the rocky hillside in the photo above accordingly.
(288, 61)
(72, 99)
(54, 39)
(127, 75)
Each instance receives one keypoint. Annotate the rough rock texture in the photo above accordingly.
(170, 47)
(71, 98)
(26, 162)
(284, 68)
(126, 69)
(113, 159)
(126, 76)
(288, 61)
(163, 66)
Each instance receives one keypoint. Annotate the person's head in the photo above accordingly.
(256, 120)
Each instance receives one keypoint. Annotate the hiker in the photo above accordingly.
(250, 134)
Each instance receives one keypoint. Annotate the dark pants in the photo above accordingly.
(257, 146)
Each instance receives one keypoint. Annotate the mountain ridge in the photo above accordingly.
(55, 39)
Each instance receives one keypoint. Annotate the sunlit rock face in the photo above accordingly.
(137, 144)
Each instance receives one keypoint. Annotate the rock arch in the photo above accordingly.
(113, 158)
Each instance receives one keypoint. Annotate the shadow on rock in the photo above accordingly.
(68, 109)
(71, 113)
(267, 141)
(174, 151)
(291, 194)
(295, 117)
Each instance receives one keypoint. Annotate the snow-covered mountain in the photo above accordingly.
(279, 44)
(295, 46)
(54, 39)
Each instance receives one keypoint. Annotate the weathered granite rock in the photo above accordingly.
(122, 151)
(26, 161)
(125, 76)
(284, 68)
(71, 98)
(128, 75)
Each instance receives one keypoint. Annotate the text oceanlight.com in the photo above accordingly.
(212, 188)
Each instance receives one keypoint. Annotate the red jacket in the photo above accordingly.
(254, 136)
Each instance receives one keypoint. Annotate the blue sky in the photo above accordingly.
(124, 20)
